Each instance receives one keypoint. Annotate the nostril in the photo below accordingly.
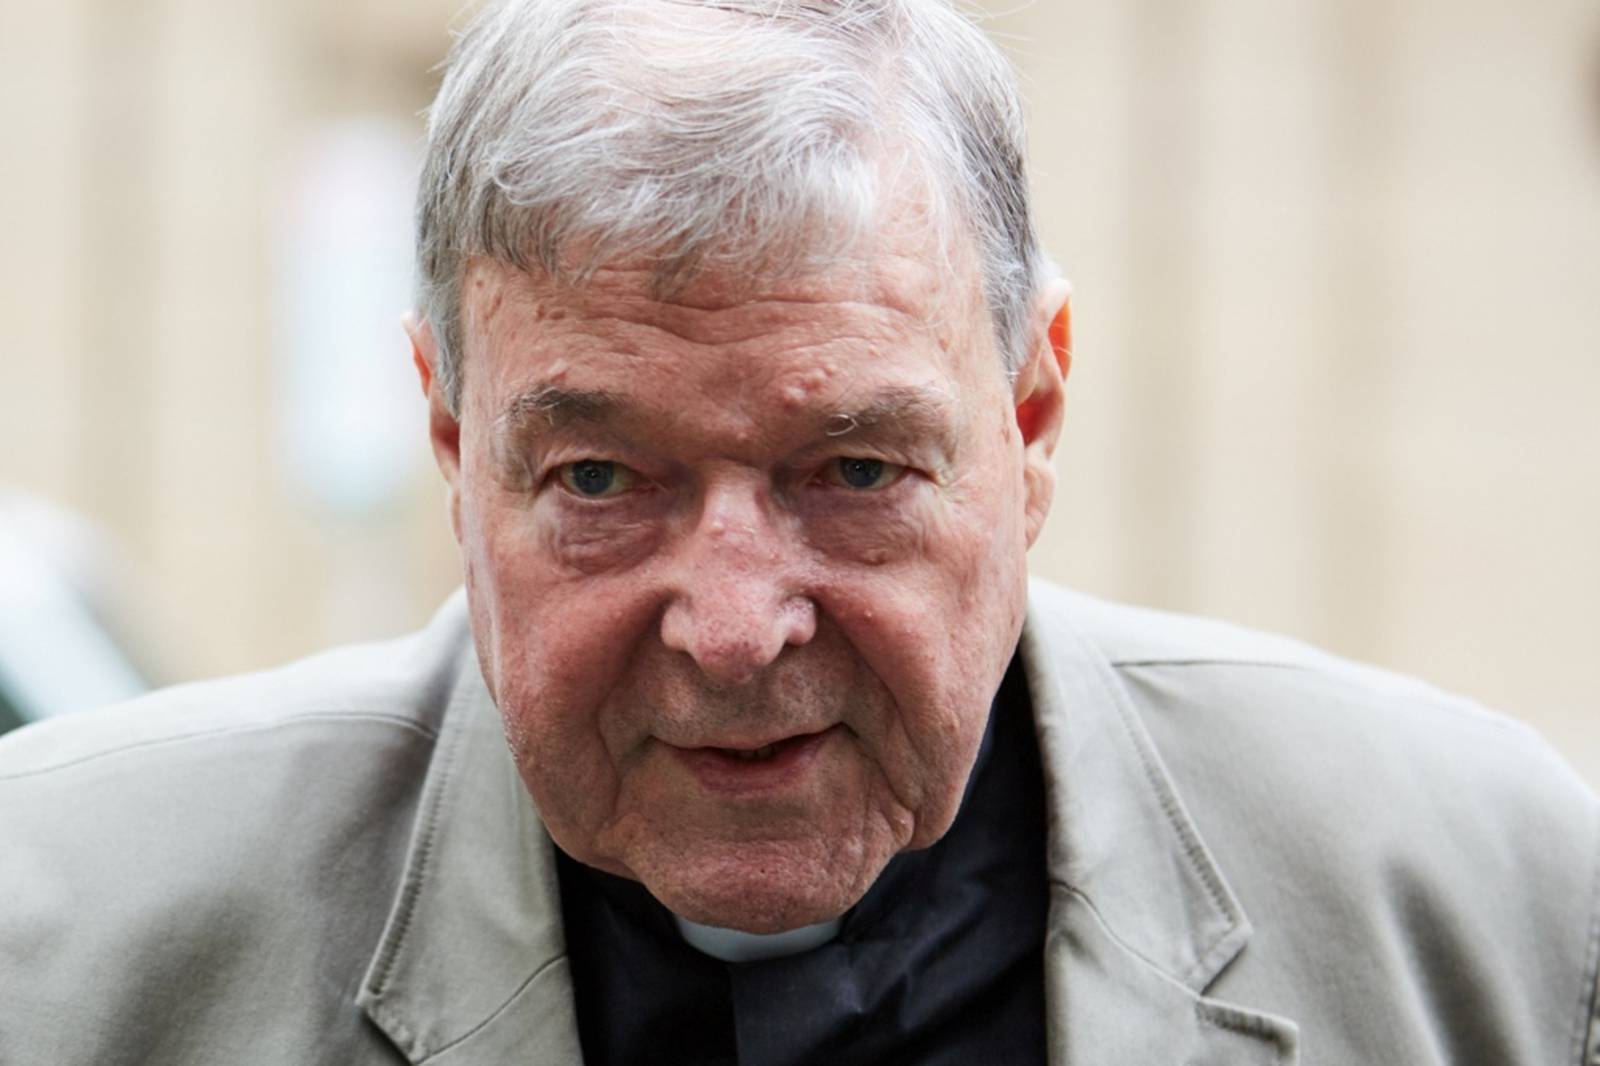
(798, 617)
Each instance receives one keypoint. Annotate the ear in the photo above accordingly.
(444, 429)
(1040, 398)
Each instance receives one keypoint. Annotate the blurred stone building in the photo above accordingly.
(1338, 315)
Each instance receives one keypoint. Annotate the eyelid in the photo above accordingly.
(834, 477)
(625, 479)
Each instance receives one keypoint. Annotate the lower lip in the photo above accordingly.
(718, 771)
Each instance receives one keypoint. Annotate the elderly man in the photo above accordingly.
(748, 741)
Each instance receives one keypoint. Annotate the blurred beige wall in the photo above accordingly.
(1337, 266)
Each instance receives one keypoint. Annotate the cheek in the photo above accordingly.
(872, 536)
(593, 543)
(938, 623)
(560, 634)
(537, 571)
(986, 536)
(553, 643)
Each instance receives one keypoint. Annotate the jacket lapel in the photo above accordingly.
(472, 965)
(1141, 920)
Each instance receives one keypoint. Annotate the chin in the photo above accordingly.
(763, 888)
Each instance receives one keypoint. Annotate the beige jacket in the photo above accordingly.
(336, 863)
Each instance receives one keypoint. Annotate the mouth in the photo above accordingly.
(754, 769)
(765, 751)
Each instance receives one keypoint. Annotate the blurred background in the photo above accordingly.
(1337, 269)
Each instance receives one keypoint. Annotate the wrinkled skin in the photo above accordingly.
(729, 586)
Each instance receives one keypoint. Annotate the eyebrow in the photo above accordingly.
(550, 407)
(912, 411)
(920, 412)
(913, 405)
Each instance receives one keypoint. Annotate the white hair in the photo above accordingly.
(746, 136)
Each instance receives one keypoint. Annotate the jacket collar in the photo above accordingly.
(472, 963)
(1141, 920)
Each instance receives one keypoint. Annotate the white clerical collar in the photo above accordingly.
(731, 945)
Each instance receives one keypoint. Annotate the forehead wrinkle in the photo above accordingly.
(615, 314)
(786, 322)
(718, 308)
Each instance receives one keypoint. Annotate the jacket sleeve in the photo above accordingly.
(1586, 1040)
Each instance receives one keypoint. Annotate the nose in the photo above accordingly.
(736, 602)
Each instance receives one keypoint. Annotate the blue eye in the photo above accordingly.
(596, 478)
(862, 474)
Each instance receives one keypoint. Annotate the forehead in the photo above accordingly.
(903, 316)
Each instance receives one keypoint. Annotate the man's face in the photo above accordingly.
(744, 571)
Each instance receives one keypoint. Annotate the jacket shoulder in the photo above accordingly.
(1208, 687)
(196, 846)
(400, 684)
(1253, 666)
(1369, 820)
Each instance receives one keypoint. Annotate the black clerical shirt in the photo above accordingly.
(940, 963)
